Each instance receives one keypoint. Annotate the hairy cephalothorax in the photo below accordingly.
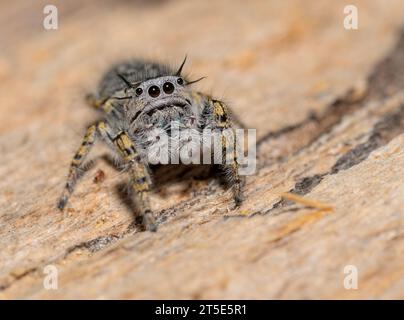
(136, 98)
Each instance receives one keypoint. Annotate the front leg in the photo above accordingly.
(139, 179)
(217, 116)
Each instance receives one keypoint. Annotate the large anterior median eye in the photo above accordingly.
(154, 91)
(168, 87)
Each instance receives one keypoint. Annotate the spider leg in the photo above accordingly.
(219, 119)
(100, 104)
(76, 165)
(94, 102)
(140, 180)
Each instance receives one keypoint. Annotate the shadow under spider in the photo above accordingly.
(163, 176)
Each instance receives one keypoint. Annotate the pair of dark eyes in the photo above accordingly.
(154, 91)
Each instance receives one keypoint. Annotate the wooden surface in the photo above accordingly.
(328, 106)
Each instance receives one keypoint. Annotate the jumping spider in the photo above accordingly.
(135, 97)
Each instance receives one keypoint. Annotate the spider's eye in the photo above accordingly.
(180, 81)
(139, 91)
(154, 91)
(168, 87)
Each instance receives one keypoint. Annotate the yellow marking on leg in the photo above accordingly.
(126, 142)
(139, 179)
(108, 106)
(125, 147)
(77, 161)
(94, 102)
(221, 114)
(102, 126)
(218, 108)
(88, 140)
(105, 104)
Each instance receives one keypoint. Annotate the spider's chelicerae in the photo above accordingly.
(136, 97)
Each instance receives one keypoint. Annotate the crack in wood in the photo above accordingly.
(94, 245)
(18, 277)
(390, 126)
(386, 79)
(384, 131)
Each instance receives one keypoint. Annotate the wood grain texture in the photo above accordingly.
(328, 106)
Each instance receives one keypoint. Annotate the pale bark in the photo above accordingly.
(328, 106)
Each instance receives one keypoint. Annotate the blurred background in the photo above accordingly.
(264, 57)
